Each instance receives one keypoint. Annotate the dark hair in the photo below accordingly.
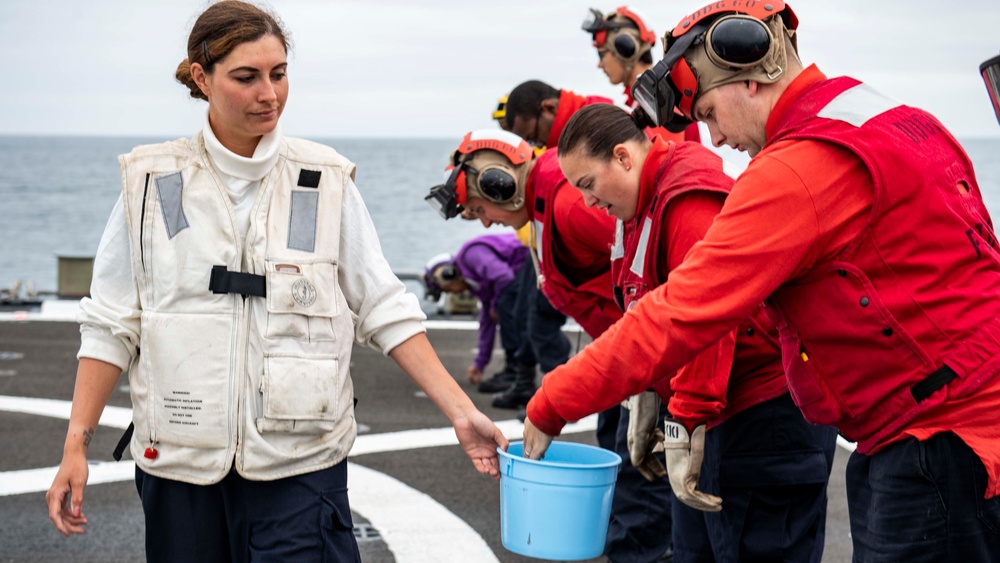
(596, 129)
(526, 99)
(221, 28)
(647, 57)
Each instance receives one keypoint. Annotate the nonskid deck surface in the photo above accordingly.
(414, 494)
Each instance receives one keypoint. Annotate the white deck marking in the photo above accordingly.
(415, 527)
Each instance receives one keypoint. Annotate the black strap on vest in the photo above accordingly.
(933, 382)
(123, 442)
(224, 281)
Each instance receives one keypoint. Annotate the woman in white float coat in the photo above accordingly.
(243, 264)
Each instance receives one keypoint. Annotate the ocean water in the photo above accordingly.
(56, 194)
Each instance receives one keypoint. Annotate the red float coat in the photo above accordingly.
(744, 367)
(573, 246)
(569, 103)
(913, 299)
(865, 221)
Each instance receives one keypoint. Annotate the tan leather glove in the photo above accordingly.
(684, 457)
(644, 437)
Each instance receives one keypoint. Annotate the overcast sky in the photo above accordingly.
(431, 68)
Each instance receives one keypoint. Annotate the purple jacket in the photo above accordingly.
(489, 264)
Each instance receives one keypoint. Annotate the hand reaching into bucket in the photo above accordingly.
(535, 441)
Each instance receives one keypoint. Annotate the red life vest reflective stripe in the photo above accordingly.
(757, 375)
(913, 304)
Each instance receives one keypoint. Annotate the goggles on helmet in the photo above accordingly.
(594, 22)
(598, 25)
(496, 156)
(991, 76)
(444, 198)
(735, 38)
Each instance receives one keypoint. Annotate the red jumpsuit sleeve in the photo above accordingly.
(698, 390)
(767, 232)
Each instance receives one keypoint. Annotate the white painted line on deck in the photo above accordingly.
(416, 528)
(115, 417)
(39, 480)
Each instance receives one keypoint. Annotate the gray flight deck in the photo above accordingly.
(37, 360)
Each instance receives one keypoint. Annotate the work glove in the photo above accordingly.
(644, 437)
(684, 456)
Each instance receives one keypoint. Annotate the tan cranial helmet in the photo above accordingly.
(723, 42)
(488, 164)
(713, 70)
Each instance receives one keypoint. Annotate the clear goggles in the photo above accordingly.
(493, 182)
(594, 22)
(991, 76)
(734, 42)
(444, 198)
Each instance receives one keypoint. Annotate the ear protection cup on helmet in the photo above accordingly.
(447, 273)
(624, 46)
(497, 185)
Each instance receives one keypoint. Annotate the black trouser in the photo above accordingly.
(771, 469)
(639, 530)
(922, 502)
(303, 518)
(550, 345)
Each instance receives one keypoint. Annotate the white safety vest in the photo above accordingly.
(222, 378)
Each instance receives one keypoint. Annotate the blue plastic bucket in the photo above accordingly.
(557, 507)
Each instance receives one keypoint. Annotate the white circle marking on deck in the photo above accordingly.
(415, 527)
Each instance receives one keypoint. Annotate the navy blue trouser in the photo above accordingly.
(512, 312)
(545, 322)
(922, 502)
(639, 530)
(771, 469)
(303, 518)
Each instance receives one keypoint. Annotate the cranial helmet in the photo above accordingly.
(500, 114)
(439, 272)
(487, 164)
(726, 41)
(623, 32)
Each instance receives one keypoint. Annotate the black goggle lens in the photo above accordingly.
(740, 41)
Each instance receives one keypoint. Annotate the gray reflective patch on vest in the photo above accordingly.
(302, 221)
(857, 105)
(618, 248)
(639, 262)
(170, 190)
(537, 233)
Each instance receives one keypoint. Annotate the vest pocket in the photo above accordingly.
(185, 375)
(301, 394)
(301, 300)
(810, 391)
